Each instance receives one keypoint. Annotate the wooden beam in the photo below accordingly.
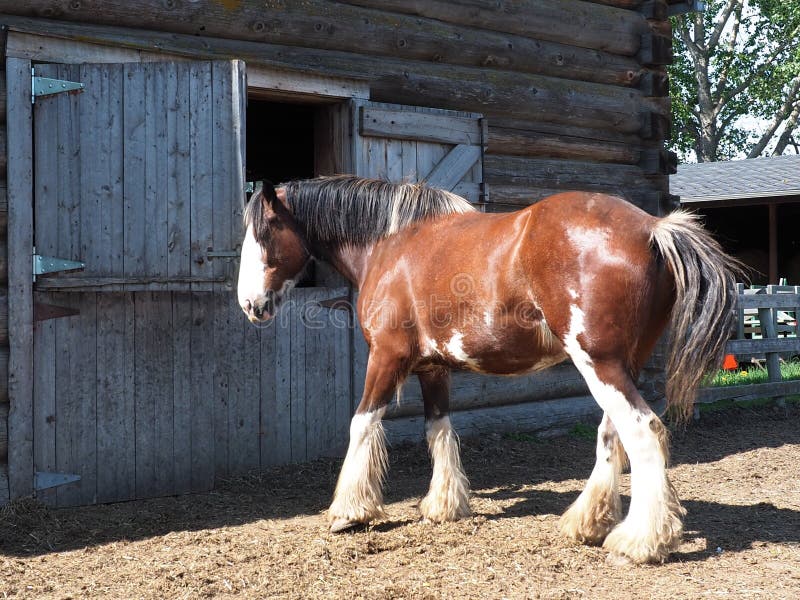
(773, 242)
(453, 167)
(405, 125)
(20, 280)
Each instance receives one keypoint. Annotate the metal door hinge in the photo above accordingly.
(43, 480)
(45, 86)
(51, 264)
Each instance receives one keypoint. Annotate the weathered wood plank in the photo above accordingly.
(20, 245)
(275, 394)
(182, 389)
(602, 51)
(153, 395)
(453, 167)
(244, 389)
(201, 126)
(76, 401)
(535, 97)
(763, 346)
(298, 361)
(117, 422)
(549, 417)
(51, 132)
(756, 390)
(3, 435)
(418, 126)
(785, 301)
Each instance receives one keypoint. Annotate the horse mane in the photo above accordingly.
(350, 210)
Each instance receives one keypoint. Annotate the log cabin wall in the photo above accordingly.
(575, 92)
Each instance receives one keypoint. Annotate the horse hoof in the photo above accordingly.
(618, 560)
(340, 525)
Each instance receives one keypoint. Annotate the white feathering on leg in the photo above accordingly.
(359, 490)
(448, 496)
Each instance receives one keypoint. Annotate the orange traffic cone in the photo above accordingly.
(730, 364)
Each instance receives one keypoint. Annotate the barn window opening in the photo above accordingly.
(280, 147)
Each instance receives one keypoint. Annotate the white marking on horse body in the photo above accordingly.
(573, 294)
(488, 318)
(429, 347)
(455, 348)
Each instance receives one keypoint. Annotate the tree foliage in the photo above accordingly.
(738, 58)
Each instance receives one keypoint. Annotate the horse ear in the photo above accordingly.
(268, 193)
(280, 193)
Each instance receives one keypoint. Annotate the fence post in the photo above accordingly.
(767, 317)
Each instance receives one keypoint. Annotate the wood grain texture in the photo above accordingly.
(20, 245)
(555, 37)
(494, 93)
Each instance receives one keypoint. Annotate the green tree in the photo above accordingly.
(738, 58)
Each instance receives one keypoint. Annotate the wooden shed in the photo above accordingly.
(130, 136)
(752, 206)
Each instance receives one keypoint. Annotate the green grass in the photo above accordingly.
(584, 431)
(754, 374)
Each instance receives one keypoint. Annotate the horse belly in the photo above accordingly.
(497, 351)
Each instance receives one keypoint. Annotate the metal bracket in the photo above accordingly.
(44, 481)
(45, 86)
(51, 264)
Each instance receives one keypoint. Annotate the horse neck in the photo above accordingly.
(349, 260)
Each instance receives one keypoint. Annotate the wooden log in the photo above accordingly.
(472, 390)
(491, 92)
(571, 130)
(513, 196)
(560, 174)
(366, 23)
(524, 142)
(548, 417)
(574, 22)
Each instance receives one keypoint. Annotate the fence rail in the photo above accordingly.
(767, 327)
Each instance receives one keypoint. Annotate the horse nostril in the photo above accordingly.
(258, 311)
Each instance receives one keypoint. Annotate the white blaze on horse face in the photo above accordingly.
(250, 288)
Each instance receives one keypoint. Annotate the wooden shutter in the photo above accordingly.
(407, 143)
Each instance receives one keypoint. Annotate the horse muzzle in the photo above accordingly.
(261, 309)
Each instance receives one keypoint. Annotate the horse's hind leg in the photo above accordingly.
(597, 510)
(653, 525)
(359, 491)
(448, 496)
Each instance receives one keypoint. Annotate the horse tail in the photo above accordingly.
(704, 311)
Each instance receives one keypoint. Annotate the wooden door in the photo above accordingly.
(152, 386)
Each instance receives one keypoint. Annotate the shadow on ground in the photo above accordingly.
(500, 468)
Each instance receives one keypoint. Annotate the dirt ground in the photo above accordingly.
(738, 473)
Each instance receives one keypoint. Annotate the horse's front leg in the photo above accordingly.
(358, 497)
(448, 496)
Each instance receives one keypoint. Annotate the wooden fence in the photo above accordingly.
(768, 330)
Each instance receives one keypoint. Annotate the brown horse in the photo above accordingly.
(579, 275)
